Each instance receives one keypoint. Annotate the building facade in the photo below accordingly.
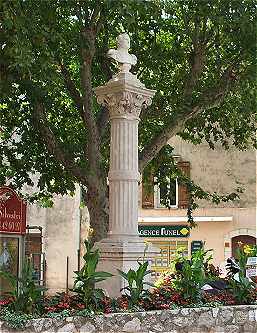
(219, 227)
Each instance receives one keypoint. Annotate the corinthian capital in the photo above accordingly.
(125, 104)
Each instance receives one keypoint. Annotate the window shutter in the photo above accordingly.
(148, 192)
(183, 194)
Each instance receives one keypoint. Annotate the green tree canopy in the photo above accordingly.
(198, 55)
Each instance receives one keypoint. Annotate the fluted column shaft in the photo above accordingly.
(123, 178)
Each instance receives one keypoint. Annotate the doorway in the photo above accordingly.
(240, 241)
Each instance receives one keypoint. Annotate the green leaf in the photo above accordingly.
(102, 274)
(99, 294)
(123, 274)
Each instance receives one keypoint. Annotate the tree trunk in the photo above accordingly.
(96, 200)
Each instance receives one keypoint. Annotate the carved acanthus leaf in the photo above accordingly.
(124, 104)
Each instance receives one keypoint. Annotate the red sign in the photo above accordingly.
(12, 212)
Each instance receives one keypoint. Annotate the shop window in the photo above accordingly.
(168, 250)
(9, 261)
(178, 195)
(33, 243)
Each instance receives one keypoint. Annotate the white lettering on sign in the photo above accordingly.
(148, 233)
(10, 225)
(165, 232)
(13, 215)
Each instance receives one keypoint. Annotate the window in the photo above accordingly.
(166, 193)
(179, 196)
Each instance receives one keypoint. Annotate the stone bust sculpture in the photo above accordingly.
(121, 55)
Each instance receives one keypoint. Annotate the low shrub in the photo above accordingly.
(220, 297)
(15, 320)
(26, 296)
(59, 315)
(62, 301)
(190, 275)
(242, 288)
(136, 282)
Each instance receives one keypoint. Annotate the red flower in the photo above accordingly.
(107, 310)
(50, 309)
(123, 302)
(164, 306)
(63, 305)
(175, 298)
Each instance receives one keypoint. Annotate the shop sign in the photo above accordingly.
(12, 212)
(251, 267)
(196, 245)
(163, 231)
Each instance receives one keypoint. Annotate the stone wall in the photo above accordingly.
(61, 238)
(220, 170)
(236, 319)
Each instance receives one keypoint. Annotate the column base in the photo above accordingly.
(122, 254)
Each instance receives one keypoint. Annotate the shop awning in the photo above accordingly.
(166, 219)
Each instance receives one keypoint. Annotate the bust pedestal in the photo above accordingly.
(124, 96)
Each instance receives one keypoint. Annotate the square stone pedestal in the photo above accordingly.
(122, 255)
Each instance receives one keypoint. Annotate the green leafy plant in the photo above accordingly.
(136, 283)
(59, 315)
(190, 274)
(15, 320)
(84, 313)
(211, 271)
(242, 289)
(26, 294)
(87, 277)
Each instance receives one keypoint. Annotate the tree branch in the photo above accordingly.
(95, 13)
(75, 95)
(71, 87)
(197, 65)
(87, 53)
(40, 122)
(208, 100)
(105, 63)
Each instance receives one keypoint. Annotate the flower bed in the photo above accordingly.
(231, 319)
(190, 287)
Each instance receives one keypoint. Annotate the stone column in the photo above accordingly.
(124, 96)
